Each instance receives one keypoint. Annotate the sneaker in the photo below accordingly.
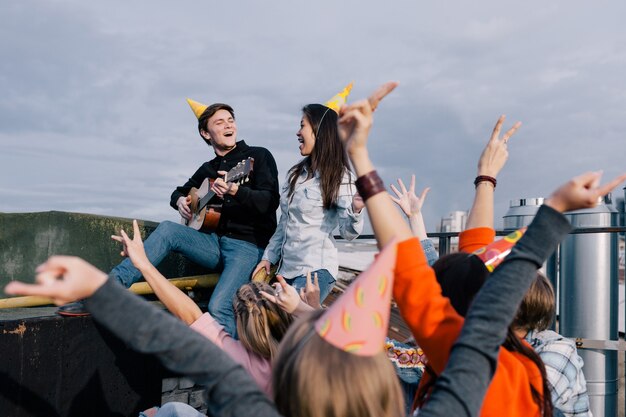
(75, 309)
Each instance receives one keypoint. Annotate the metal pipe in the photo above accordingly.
(521, 212)
(588, 300)
(444, 245)
(139, 288)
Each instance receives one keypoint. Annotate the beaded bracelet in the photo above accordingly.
(485, 178)
(369, 185)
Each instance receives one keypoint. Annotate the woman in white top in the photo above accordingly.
(317, 198)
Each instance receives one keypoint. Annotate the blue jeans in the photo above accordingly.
(324, 278)
(236, 258)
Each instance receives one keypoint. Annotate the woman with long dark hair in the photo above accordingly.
(317, 198)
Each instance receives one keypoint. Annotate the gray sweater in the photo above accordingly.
(231, 392)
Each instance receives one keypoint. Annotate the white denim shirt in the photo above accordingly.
(304, 240)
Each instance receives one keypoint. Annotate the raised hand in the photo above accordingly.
(581, 192)
(496, 152)
(355, 120)
(310, 293)
(285, 296)
(410, 203)
(63, 279)
(354, 125)
(491, 161)
(133, 248)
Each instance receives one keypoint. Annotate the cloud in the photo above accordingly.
(495, 27)
(93, 115)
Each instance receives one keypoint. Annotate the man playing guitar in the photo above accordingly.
(247, 221)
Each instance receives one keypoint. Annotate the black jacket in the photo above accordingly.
(250, 214)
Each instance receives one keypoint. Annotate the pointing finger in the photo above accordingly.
(511, 132)
(395, 190)
(380, 93)
(136, 232)
(268, 297)
(605, 189)
(282, 282)
(497, 128)
(20, 288)
(124, 236)
(402, 187)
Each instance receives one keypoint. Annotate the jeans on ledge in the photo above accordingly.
(236, 259)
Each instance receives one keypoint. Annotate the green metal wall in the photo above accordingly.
(28, 239)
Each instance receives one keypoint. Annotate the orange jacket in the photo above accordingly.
(436, 325)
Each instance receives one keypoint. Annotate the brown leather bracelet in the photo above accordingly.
(485, 178)
(369, 185)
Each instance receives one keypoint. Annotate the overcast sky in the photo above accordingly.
(93, 115)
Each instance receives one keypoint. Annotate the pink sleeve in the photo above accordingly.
(208, 327)
(256, 365)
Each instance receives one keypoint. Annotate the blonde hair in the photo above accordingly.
(312, 378)
(261, 324)
(538, 308)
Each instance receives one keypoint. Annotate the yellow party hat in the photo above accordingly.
(339, 99)
(197, 108)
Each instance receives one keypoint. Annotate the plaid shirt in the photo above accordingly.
(564, 369)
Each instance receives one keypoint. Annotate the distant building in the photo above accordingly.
(453, 222)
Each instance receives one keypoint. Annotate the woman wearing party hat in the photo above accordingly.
(350, 375)
(318, 197)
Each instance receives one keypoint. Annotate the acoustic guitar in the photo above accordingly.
(205, 216)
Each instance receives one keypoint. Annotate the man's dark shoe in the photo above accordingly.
(75, 309)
